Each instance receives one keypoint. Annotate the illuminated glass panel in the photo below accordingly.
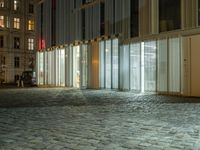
(174, 65)
(150, 66)
(135, 67)
(162, 66)
(115, 63)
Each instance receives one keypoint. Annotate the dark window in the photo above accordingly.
(199, 12)
(16, 42)
(83, 23)
(74, 4)
(169, 15)
(53, 27)
(1, 41)
(31, 8)
(86, 1)
(102, 18)
(83, 1)
(16, 62)
(134, 20)
(4, 60)
(113, 16)
(41, 26)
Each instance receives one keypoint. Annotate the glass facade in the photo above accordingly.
(109, 62)
(148, 66)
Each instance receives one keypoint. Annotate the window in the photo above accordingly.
(7, 22)
(16, 42)
(4, 60)
(169, 15)
(30, 25)
(134, 20)
(31, 8)
(83, 1)
(83, 23)
(16, 23)
(102, 18)
(2, 21)
(16, 62)
(30, 44)
(16, 5)
(199, 12)
(1, 41)
(2, 3)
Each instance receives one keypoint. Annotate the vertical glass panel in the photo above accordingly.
(57, 68)
(76, 66)
(52, 66)
(41, 68)
(162, 66)
(124, 67)
(84, 66)
(46, 67)
(62, 67)
(102, 64)
(115, 63)
(69, 66)
(169, 15)
(150, 66)
(49, 67)
(174, 65)
(108, 64)
(135, 67)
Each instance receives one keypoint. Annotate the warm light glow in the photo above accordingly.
(31, 25)
(16, 23)
(2, 21)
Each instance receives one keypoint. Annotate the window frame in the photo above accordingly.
(31, 25)
(16, 45)
(17, 62)
(30, 8)
(30, 44)
(16, 22)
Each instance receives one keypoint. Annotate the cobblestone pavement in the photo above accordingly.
(69, 119)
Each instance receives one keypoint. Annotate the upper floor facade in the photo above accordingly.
(63, 22)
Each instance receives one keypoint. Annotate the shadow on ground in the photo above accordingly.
(43, 97)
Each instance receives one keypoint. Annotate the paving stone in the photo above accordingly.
(64, 118)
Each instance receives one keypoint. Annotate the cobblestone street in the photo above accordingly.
(69, 119)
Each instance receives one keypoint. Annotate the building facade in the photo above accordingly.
(137, 45)
(17, 38)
